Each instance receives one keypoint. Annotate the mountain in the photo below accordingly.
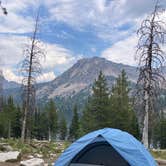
(82, 75)
(74, 85)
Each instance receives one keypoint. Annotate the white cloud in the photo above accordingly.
(11, 76)
(11, 55)
(11, 49)
(105, 16)
(56, 56)
(45, 77)
(122, 51)
(16, 21)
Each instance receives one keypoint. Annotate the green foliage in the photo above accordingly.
(62, 128)
(122, 113)
(10, 120)
(95, 115)
(52, 119)
(74, 127)
(113, 109)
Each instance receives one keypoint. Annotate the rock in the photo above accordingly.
(39, 155)
(9, 156)
(8, 148)
(30, 157)
(5, 147)
(161, 162)
(32, 162)
(53, 155)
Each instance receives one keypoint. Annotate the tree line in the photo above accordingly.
(105, 108)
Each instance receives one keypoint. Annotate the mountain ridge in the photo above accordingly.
(82, 74)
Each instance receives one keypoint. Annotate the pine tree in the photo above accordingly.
(162, 134)
(62, 128)
(74, 127)
(87, 119)
(42, 125)
(96, 112)
(100, 102)
(16, 126)
(122, 113)
(10, 115)
(52, 119)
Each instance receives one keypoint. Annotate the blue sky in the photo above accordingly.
(70, 30)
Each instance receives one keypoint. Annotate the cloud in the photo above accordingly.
(122, 51)
(11, 49)
(57, 57)
(45, 77)
(11, 76)
(16, 21)
(104, 17)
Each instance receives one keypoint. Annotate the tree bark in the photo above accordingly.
(9, 129)
(49, 134)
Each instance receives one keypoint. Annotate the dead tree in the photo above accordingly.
(31, 68)
(151, 60)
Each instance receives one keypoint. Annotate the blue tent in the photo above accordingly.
(125, 149)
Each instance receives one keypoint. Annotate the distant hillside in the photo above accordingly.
(81, 75)
(74, 85)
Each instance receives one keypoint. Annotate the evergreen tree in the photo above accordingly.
(3, 120)
(100, 102)
(122, 113)
(62, 128)
(52, 119)
(42, 125)
(16, 127)
(162, 134)
(96, 113)
(10, 110)
(87, 119)
(74, 127)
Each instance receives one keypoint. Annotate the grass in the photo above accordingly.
(159, 154)
(44, 148)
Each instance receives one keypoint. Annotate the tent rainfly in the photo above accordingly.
(106, 147)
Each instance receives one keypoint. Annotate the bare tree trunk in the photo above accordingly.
(49, 134)
(146, 119)
(9, 129)
(1, 90)
(23, 126)
(151, 59)
(31, 69)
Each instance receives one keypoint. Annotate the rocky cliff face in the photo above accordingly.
(82, 74)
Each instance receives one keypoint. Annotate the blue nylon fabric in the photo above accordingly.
(125, 144)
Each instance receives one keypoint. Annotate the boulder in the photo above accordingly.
(161, 162)
(5, 147)
(10, 156)
(32, 162)
(30, 157)
(38, 155)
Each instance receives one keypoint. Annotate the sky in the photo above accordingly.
(70, 30)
